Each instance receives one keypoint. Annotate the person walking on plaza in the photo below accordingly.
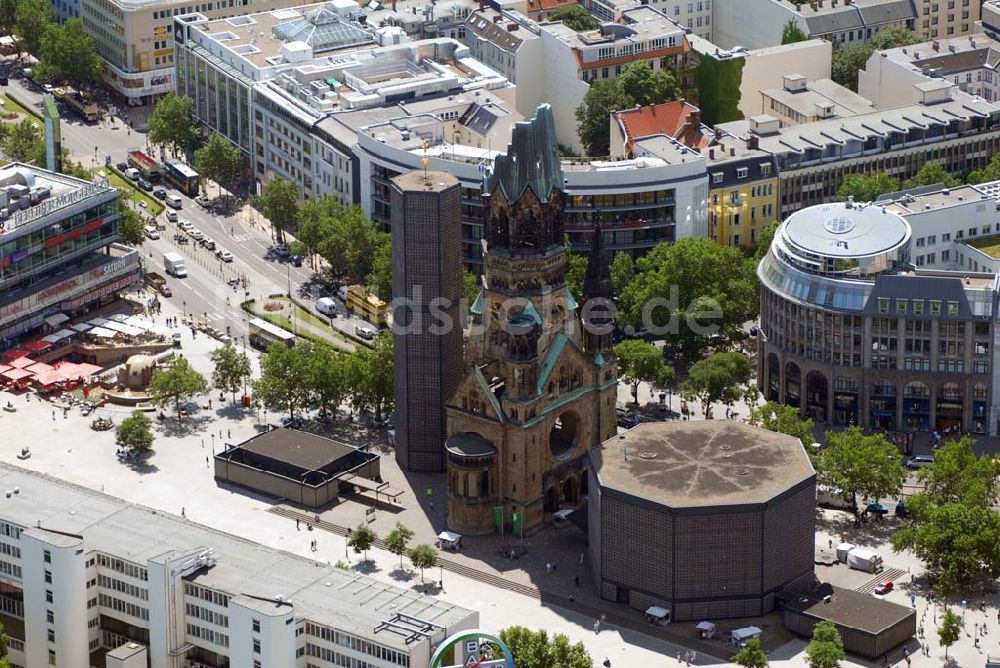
(597, 627)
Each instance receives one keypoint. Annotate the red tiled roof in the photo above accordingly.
(677, 119)
(546, 5)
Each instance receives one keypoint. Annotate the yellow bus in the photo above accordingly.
(365, 304)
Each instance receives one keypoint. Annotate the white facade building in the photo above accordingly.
(83, 572)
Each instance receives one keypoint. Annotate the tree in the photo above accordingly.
(792, 33)
(951, 525)
(67, 53)
(371, 377)
(175, 384)
(397, 540)
(752, 655)
(593, 116)
(232, 369)
(783, 419)
(4, 644)
(848, 60)
(132, 228)
(8, 16)
(135, 433)
(622, 270)
(763, 243)
(689, 289)
(576, 271)
(30, 19)
(534, 649)
(639, 362)
(867, 187)
(362, 539)
(949, 630)
(470, 286)
(284, 377)
(717, 378)
(423, 556)
(279, 203)
(380, 276)
(858, 464)
(23, 143)
(826, 649)
(929, 175)
(575, 17)
(645, 86)
(989, 173)
(173, 124)
(218, 161)
(328, 378)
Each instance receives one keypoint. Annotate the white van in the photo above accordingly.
(132, 173)
(152, 232)
(173, 200)
(326, 306)
(172, 216)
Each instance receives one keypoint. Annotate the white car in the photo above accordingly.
(185, 225)
(365, 332)
(152, 232)
(209, 243)
(224, 255)
(196, 234)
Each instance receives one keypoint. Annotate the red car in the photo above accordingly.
(165, 290)
(884, 587)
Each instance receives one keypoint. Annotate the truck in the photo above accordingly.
(864, 560)
(78, 103)
(146, 165)
(174, 265)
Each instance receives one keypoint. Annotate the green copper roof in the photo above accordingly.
(599, 360)
(531, 161)
(477, 306)
(571, 304)
(549, 363)
(530, 311)
(485, 387)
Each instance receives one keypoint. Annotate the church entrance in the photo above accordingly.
(564, 435)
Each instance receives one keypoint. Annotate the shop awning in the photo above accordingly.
(98, 322)
(15, 353)
(16, 374)
(40, 367)
(102, 333)
(38, 346)
(81, 327)
(449, 536)
(56, 319)
(22, 363)
(657, 611)
(65, 333)
(48, 378)
(128, 330)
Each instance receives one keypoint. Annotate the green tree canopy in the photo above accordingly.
(362, 539)
(279, 203)
(783, 419)
(637, 85)
(861, 465)
(423, 556)
(763, 242)
(792, 33)
(718, 81)
(397, 540)
(23, 143)
(67, 53)
(173, 123)
(622, 271)
(379, 279)
(717, 378)
(826, 649)
(752, 655)
(639, 361)
(867, 187)
(470, 286)
(218, 161)
(949, 630)
(231, 369)
(930, 174)
(329, 379)
(135, 432)
(284, 377)
(370, 371)
(30, 20)
(345, 238)
(576, 272)
(8, 16)
(848, 60)
(989, 173)
(175, 384)
(133, 228)
(534, 649)
(575, 17)
(690, 288)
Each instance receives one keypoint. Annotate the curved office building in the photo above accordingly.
(852, 333)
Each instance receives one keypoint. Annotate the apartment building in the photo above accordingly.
(82, 573)
(800, 100)
(66, 9)
(757, 24)
(58, 250)
(135, 38)
(892, 77)
(743, 191)
(946, 18)
(947, 127)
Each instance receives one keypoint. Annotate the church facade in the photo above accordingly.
(541, 385)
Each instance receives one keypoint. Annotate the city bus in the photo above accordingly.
(263, 334)
(362, 302)
(183, 177)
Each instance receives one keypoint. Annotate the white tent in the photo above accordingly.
(740, 636)
(56, 319)
(102, 333)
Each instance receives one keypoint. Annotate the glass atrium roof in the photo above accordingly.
(323, 30)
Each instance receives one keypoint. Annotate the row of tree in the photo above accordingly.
(869, 187)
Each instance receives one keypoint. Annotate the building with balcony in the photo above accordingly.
(135, 38)
(854, 333)
(58, 251)
(83, 573)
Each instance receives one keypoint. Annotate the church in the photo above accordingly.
(541, 385)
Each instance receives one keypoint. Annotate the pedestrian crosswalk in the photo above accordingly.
(240, 238)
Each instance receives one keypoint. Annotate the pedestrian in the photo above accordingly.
(548, 567)
(597, 627)
(572, 599)
(206, 462)
(678, 657)
(694, 656)
(581, 563)
(229, 433)
(209, 404)
(576, 580)
(183, 514)
(297, 528)
(830, 543)
(53, 415)
(432, 504)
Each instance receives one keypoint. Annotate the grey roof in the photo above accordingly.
(323, 30)
(301, 449)
(875, 12)
(851, 609)
(839, 20)
(532, 159)
(837, 230)
(915, 287)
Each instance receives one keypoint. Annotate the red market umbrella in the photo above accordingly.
(14, 354)
(37, 346)
(16, 374)
(22, 363)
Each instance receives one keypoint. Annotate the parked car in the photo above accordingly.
(122, 166)
(292, 423)
(160, 193)
(884, 587)
(296, 260)
(209, 243)
(165, 290)
(326, 306)
(224, 255)
(185, 225)
(919, 461)
(203, 200)
(144, 184)
(172, 216)
(365, 332)
(281, 250)
(152, 232)
(196, 234)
